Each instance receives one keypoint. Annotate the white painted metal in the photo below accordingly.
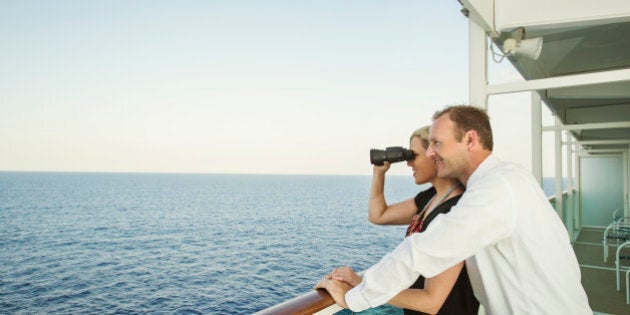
(605, 150)
(600, 96)
(481, 12)
(537, 136)
(558, 175)
(598, 155)
(561, 82)
(611, 90)
(626, 182)
(478, 67)
(594, 142)
(570, 195)
(506, 15)
(330, 310)
(510, 14)
(578, 178)
(610, 125)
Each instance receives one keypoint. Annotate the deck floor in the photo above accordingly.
(598, 278)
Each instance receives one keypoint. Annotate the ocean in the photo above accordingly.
(101, 243)
(94, 243)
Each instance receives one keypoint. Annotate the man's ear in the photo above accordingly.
(471, 139)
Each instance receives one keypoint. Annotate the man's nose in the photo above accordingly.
(430, 152)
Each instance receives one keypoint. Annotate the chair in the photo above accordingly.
(618, 266)
(618, 230)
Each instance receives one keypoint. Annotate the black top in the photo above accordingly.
(461, 299)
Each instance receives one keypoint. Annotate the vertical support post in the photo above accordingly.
(478, 67)
(537, 137)
(558, 166)
(578, 213)
(626, 182)
(570, 210)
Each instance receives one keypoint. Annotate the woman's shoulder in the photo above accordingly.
(423, 197)
(449, 203)
(428, 192)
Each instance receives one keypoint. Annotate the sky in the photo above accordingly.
(248, 87)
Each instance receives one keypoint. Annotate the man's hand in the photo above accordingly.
(336, 289)
(345, 274)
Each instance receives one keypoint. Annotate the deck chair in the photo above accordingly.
(620, 256)
(619, 231)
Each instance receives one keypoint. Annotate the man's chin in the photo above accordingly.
(443, 174)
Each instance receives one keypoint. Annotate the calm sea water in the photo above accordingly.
(94, 243)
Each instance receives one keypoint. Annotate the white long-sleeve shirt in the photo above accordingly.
(517, 251)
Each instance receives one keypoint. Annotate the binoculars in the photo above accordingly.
(391, 155)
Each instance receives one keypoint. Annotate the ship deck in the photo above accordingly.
(598, 278)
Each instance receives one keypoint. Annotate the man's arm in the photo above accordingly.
(483, 216)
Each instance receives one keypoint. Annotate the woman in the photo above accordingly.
(447, 293)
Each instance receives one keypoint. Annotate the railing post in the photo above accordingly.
(626, 181)
(578, 199)
(570, 210)
(558, 156)
(537, 137)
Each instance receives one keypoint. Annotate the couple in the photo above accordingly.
(516, 250)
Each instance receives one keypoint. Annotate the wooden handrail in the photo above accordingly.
(308, 303)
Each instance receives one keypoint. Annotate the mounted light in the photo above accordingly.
(529, 48)
(519, 46)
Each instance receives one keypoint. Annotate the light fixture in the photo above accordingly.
(529, 48)
(519, 46)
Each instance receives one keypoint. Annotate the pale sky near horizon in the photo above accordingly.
(280, 87)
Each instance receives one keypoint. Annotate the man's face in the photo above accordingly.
(449, 155)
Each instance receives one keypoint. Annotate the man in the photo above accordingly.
(517, 251)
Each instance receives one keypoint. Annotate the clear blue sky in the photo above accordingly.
(298, 87)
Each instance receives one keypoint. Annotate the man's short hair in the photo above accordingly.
(467, 118)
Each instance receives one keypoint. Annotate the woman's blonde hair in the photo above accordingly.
(423, 134)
